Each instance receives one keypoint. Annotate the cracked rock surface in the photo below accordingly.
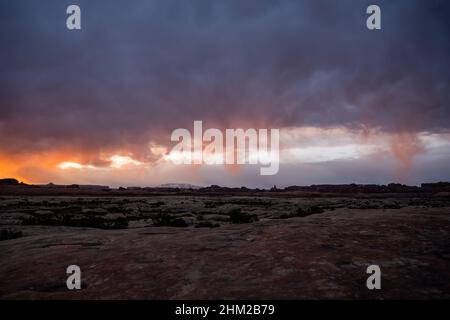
(186, 247)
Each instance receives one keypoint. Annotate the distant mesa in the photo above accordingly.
(51, 185)
(10, 182)
(436, 187)
(11, 186)
(178, 186)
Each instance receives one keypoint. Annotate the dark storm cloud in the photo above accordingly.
(140, 69)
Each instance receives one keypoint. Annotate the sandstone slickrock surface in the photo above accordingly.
(186, 247)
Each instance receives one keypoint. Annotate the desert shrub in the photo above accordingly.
(210, 204)
(207, 224)
(8, 234)
(165, 219)
(237, 216)
(301, 212)
(178, 222)
(315, 209)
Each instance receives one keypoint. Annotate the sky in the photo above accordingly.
(98, 105)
